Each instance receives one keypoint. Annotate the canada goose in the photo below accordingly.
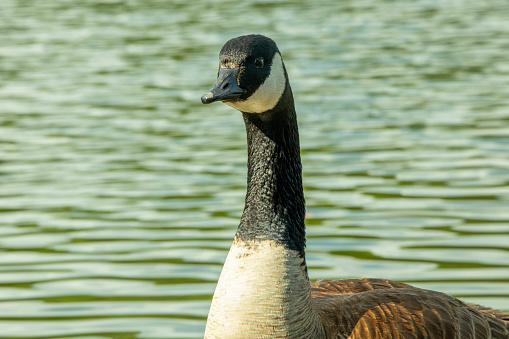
(264, 289)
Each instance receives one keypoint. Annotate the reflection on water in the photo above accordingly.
(120, 192)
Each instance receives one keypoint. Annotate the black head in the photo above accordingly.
(251, 76)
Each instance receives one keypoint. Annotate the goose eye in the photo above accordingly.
(259, 62)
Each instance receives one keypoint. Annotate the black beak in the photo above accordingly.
(225, 88)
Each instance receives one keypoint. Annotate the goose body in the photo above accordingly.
(264, 290)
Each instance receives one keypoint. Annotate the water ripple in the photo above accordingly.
(120, 193)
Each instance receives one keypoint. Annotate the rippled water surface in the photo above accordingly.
(120, 193)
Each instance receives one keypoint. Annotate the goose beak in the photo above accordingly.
(226, 87)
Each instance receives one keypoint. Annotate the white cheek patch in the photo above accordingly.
(268, 94)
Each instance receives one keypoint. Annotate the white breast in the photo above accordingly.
(263, 292)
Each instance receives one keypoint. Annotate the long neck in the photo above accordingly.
(274, 208)
(264, 289)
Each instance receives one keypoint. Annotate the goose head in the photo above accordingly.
(251, 77)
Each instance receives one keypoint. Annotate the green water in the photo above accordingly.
(120, 192)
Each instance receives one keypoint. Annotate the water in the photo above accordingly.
(120, 192)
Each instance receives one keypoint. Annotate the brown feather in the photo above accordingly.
(264, 289)
(384, 309)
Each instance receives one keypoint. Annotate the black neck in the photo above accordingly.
(274, 207)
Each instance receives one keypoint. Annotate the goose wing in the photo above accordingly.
(384, 309)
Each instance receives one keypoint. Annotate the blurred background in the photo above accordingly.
(120, 192)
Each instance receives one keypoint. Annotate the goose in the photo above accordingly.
(264, 290)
